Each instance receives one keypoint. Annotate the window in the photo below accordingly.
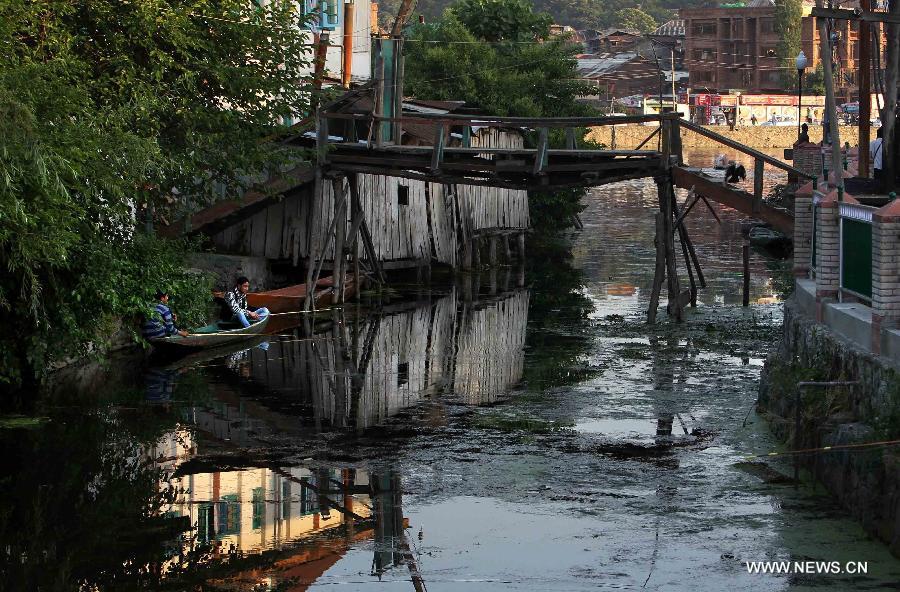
(703, 76)
(703, 28)
(402, 195)
(767, 26)
(327, 13)
(286, 499)
(704, 54)
(402, 373)
(228, 512)
(770, 78)
(259, 508)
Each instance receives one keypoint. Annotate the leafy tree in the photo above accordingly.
(106, 107)
(635, 18)
(502, 20)
(788, 17)
(448, 60)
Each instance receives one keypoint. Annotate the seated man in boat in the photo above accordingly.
(161, 323)
(237, 301)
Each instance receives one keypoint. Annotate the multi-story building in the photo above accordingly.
(735, 47)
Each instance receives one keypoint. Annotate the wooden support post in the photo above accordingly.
(379, 109)
(521, 239)
(612, 138)
(507, 251)
(570, 139)
(313, 244)
(865, 90)
(664, 189)
(467, 255)
(339, 204)
(340, 231)
(540, 155)
(745, 250)
(676, 138)
(682, 239)
(758, 174)
(476, 252)
(492, 251)
(437, 153)
(659, 273)
(368, 245)
(492, 278)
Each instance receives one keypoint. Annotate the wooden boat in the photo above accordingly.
(291, 299)
(214, 335)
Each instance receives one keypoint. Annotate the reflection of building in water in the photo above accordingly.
(357, 375)
(297, 521)
(262, 508)
(490, 353)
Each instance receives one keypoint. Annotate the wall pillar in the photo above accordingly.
(827, 253)
(885, 271)
(803, 227)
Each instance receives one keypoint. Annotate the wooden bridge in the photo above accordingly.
(354, 219)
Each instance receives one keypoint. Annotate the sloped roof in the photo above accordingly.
(603, 63)
(673, 28)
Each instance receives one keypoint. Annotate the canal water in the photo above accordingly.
(521, 430)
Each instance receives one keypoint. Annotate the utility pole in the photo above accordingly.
(865, 90)
(830, 106)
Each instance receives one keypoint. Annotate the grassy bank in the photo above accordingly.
(629, 136)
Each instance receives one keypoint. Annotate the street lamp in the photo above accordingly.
(801, 66)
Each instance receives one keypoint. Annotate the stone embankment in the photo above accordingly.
(763, 137)
(865, 479)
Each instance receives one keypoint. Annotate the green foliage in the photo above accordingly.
(814, 82)
(502, 20)
(456, 58)
(105, 107)
(788, 16)
(635, 18)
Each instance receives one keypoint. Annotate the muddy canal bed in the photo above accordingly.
(536, 437)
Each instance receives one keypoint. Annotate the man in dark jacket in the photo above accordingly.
(161, 323)
(236, 298)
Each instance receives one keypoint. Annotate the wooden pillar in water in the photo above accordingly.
(476, 252)
(492, 251)
(659, 273)
(521, 239)
(507, 251)
(676, 307)
(665, 254)
(745, 251)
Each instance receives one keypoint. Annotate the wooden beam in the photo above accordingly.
(512, 122)
(734, 198)
(744, 149)
(856, 15)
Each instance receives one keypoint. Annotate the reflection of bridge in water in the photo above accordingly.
(352, 375)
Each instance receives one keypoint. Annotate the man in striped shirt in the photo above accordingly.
(161, 322)
(236, 298)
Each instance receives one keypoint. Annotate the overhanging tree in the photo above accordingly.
(106, 107)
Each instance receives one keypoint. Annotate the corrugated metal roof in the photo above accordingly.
(600, 64)
(673, 28)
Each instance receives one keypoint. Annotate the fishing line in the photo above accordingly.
(883, 443)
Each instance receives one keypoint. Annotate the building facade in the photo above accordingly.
(735, 47)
